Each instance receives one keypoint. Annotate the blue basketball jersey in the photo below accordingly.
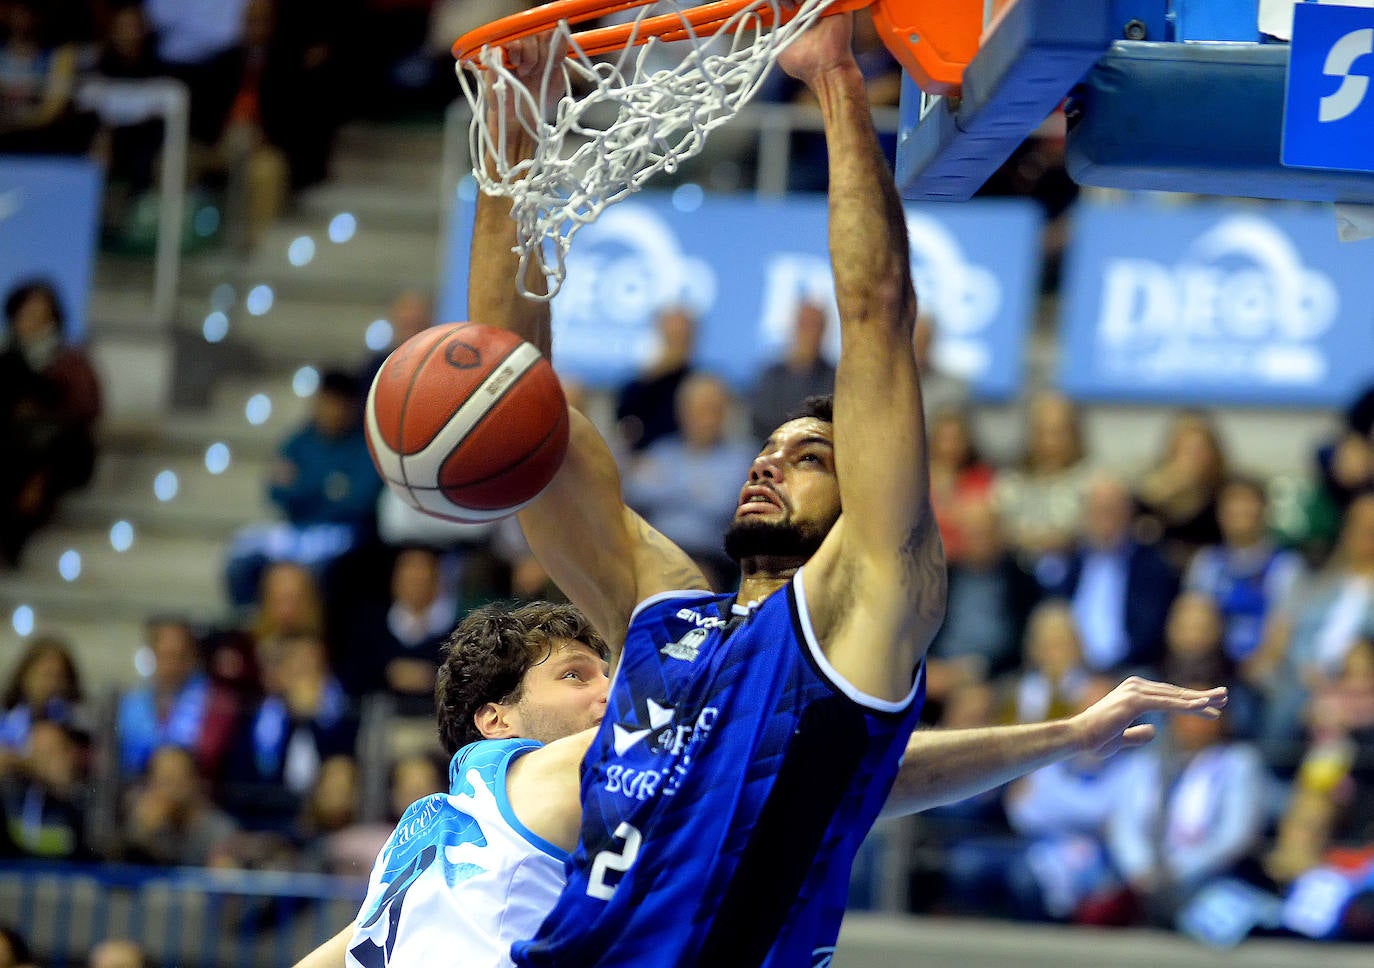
(731, 782)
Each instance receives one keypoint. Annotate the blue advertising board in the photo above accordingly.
(1328, 117)
(1215, 303)
(49, 219)
(743, 265)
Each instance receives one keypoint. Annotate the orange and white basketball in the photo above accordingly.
(467, 422)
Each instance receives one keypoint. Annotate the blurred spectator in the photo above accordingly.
(1041, 500)
(119, 953)
(1306, 642)
(170, 820)
(352, 849)
(410, 314)
(1053, 676)
(1058, 859)
(646, 406)
(304, 719)
(1196, 810)
(1178, 496)
(285, 103)
(1193, 649)
(1346, 465)
(44, 685)
(1344, 706)
(129, 140)
(14, 950)
(989, 600)
(803, 372)
(324, 484)
(44, 801)
(394, 645)
(1246, 574)
(958, 475)
(1120, 589)
(37, 84)
(331, 806)
(940, 389)
(49, 403)
(687, 484)
(198, 41)
(171, 708)
(288, 604)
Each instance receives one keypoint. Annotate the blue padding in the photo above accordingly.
(1202, 118)
(1036, 53)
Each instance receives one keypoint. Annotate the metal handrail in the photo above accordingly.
(123, 102)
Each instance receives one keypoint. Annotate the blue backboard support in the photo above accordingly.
(1029, 60)
(1125, 64)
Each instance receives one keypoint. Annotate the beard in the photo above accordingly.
(752, 538)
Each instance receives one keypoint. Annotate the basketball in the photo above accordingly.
(466, 422)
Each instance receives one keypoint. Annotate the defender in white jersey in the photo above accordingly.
(468, 872)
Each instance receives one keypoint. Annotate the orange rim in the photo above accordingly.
(705, 20)
(932, 42)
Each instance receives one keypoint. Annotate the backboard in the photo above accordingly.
(1168, 95)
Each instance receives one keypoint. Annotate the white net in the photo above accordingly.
(602, 126)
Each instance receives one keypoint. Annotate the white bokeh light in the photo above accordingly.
(260, 299)
(145, 663)
(342, 227)
(306, 381)
(217, 457)
(216, 327)
(301, 251)
(688, 197)
(22, 620)
(379, 333)
(121, 536)
(258, 409)
(166, 485)
(69, 565)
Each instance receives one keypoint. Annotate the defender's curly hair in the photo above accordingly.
(488, 654)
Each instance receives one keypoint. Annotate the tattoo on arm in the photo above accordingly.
(923, 565)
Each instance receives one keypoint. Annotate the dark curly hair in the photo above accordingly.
(488, 654)
(819, 407)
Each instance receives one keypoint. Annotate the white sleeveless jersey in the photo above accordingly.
(461, 878)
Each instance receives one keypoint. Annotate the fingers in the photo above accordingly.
(1164, 696)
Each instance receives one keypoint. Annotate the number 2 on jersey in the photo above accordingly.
(618, 861)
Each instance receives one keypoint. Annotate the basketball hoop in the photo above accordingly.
(658, 117)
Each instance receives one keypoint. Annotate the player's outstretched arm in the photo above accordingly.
(603, 556)
(332, 954)
(948, 765)
(876, 590)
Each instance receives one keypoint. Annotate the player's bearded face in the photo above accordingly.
(753, 537)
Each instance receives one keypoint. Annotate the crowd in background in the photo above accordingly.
(246, 746)
(243, 747)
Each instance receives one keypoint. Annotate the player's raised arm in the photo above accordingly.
(876, 589)
(603, 556)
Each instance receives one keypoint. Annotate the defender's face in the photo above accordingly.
(792, 481)
(564, 694)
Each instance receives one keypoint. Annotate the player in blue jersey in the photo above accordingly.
(750, 739)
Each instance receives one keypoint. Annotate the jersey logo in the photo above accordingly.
(687, 647)
(625, 739)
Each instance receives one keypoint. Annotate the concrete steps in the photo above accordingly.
(388, 178)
